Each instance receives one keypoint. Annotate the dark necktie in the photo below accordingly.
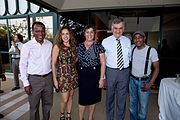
(120, 63)
(17, 45)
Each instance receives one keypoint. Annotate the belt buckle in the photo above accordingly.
(139, 78)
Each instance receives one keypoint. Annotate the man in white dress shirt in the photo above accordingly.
(15, 55)
(35, 69)
(117, 78)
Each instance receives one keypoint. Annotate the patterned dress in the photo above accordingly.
(67, 73)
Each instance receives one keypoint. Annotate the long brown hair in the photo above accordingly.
(59, 41)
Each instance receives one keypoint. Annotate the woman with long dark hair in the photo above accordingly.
(64, 53)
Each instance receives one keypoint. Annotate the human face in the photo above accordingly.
(117, 29)
(89, 34)
(65, 36)
(139, 41)
(39, 33)
(16, 38)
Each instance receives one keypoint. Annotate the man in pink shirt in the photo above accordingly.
(35, 70)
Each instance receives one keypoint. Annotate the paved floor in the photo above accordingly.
(14, 105)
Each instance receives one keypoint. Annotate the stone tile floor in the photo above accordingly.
(14, 105)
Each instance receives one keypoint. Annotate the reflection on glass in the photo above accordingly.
(2, 7)
(34, 8)
(3, 36)
(45, 10)
(4, 44)
(12, 6)
(23, 6)
(18, 26)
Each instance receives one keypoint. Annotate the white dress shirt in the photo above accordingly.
(110, 45)
(35, 59)
(13, 49)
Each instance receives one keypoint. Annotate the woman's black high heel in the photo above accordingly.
(68, 116)
(62, 116)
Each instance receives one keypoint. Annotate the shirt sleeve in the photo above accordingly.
(130, 50)
(20, 46)
(100, 48)
(11, 49)
(23, 65)
(154, 55)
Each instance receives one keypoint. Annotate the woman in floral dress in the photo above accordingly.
(65, 78)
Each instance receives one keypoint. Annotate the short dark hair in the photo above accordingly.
(38, 23)
(89, 26)
(20, 37)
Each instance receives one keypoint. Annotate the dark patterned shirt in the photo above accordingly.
(90, 57)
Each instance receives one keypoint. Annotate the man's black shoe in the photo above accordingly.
(15, 88)
(1, 115)
(3, 77)
(1, 91)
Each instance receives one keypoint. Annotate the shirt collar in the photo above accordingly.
(34, 40)
(116, 38)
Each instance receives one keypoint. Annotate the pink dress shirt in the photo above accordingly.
(35, 59)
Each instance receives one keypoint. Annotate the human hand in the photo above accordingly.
(28, 90)
(146, 87)
(101, 83)
(56, 85)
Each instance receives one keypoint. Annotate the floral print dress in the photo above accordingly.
(67, 72)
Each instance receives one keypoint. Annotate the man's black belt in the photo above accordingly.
(15, 58)
(41, 75)
(118, 68)
(140, 78)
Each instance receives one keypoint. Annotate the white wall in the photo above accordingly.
(70, 5)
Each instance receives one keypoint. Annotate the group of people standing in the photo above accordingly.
(90, 66)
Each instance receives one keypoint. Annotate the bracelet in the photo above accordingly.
(101, 78)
